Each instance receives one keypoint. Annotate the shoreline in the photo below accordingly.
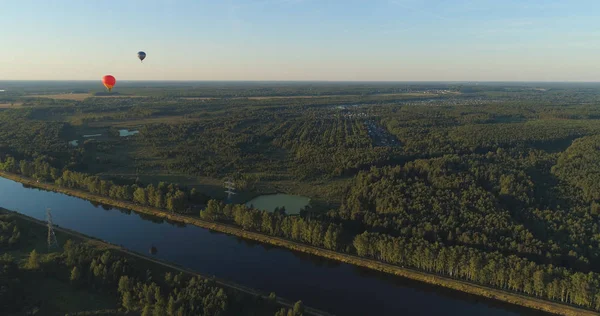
(459, 285)
(223, 283)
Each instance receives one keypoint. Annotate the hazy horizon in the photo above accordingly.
(302, 40)
(298, 81)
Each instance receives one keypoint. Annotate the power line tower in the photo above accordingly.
(52, 243)
(230, 188)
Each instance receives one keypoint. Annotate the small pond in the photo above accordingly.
(126, 132)
(292, 203)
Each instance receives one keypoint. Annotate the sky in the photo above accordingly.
(367, 40)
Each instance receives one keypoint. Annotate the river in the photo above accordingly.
(325, 284)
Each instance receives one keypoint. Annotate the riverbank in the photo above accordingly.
(416, 275)
(170, 266)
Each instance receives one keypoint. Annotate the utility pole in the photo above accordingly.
(52, 243)
(230, 188)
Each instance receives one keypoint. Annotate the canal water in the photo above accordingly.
(325, 284)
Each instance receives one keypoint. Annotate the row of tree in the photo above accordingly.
(316, 233)
(488, 268)
(165, 196)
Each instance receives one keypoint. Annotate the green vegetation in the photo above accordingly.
(89, 276)
(492, 184)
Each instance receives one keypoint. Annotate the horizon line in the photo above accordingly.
(324, 81)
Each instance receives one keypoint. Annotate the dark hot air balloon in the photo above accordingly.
(141, 56)
(109, 82)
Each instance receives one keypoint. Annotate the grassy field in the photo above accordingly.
(63, 96)
(10, 105)
(128, 123)
(79, 96)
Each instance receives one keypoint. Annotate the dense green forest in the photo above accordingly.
(494, 184)
(108, 281)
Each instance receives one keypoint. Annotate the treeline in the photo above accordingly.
(189, 296)
(492, 269)
(164, 196)
(316, 233)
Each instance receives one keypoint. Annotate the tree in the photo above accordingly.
(331, 239)
(33, 262)
(139, 196)
(267, 224)
(298, 308)
(171, 307)
(75, 274)
(539, 282)
(281, 312)
(159, 310)
(147, 311)
(127, 301)
(124, 284)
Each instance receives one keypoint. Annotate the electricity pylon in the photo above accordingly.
(230, 189)
(52, 243)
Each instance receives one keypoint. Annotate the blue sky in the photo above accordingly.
(301, 40)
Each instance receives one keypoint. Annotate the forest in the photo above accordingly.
(493, 184)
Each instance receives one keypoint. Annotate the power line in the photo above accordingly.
(230, 188)
(52, 243)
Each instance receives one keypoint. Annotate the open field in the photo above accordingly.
(10, 105)
(120, 96)
(129, 123)
(80, 96)
(63, 96)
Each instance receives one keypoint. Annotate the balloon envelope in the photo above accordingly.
(109, 82)
(141, 55)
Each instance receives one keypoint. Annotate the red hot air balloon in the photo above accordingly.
(109, 82)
